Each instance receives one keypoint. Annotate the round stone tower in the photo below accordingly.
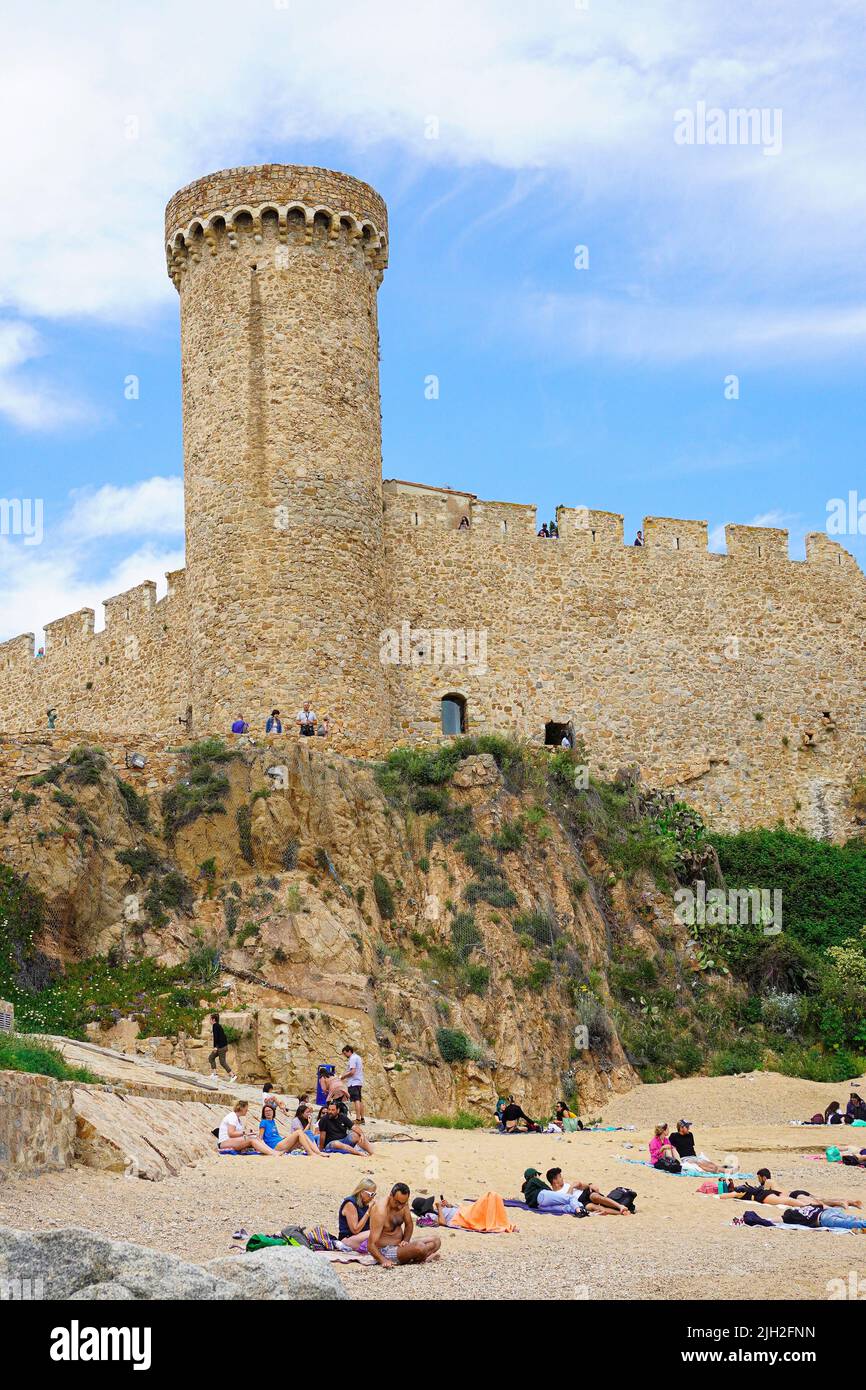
(277, 268)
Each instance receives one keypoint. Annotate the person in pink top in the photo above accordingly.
(660, 1146)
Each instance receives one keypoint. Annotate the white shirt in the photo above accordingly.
(305, 716)
(230, 1119)
(354, 1071)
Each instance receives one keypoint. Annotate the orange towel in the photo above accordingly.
(487, 1214)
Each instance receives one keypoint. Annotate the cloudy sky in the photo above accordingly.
(504, 136)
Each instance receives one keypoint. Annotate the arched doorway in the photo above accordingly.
(454, 714)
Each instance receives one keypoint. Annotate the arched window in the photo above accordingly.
(454, 714)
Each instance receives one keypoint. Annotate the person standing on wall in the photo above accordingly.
(220, 1047)
(306, 721)
(274, 724)
(354, 1079)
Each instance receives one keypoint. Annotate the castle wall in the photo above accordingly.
(712, 672)
(133, 675)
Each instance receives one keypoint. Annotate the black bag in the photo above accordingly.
(669, 1165)
(422, 1206)
(216, 1132)
(624, 1195)
(294, 1235)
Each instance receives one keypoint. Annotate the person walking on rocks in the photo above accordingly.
(354, 1079)
(220, 1048)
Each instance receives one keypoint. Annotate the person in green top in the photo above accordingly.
(533, 1183)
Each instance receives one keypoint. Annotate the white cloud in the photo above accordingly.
(67, 571)
(575, 326)
(151, 507)
(124, 104)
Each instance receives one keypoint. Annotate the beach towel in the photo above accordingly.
(487, 1215)
(645, 1163)
(518, 1202)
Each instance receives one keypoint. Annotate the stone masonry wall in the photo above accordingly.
(735, 678)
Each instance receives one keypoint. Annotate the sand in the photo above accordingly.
(679, 1245)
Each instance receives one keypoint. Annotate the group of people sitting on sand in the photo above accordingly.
(854, 1113)
(332, 1131)
(512, 1119)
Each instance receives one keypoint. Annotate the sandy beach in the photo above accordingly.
(679, 1244)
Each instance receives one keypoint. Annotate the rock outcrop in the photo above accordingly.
(75, 1263)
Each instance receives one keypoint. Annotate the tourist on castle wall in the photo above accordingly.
(240, 726)
(324, 727)
(274, 724)
(306, 720)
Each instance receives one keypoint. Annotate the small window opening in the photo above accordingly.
(555, 732)
(454, 714)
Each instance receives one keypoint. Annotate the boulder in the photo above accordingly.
(78, 1264)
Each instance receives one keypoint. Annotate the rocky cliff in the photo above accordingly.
(457, 934)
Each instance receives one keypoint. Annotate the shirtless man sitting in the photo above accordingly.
(391, 1226)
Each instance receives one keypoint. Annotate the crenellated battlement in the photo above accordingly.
(293, 204)
(413, 506)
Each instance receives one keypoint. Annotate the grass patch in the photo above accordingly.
(462, 1120)
(19, 1053)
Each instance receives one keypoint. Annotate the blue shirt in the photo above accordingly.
(273, 726)
(270, 1133)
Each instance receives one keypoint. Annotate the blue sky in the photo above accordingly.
(554, 129)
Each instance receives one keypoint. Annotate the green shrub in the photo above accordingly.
(510, 837)
(19, 1053)
(384, 896)
(137, 806)
(85, 766)
(454, 1046)
(244, 819)
(476, 978)
(739, 1057)
(493, 891)
(141, 862)
(540, 926)
(540, 975)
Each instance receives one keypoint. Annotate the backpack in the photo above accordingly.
(423, 1206)
(624, 1195)
(295, 1235)
(669, 1165)
(833, 1154)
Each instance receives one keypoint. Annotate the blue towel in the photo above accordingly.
(516, 1201)
(645, 1163)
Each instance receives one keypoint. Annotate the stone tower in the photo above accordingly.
(277, 268)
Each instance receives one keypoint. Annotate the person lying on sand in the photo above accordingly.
(391, 1227)
(590, 1197)
(764, 1194)
(817, 1216)
(486, 1214)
